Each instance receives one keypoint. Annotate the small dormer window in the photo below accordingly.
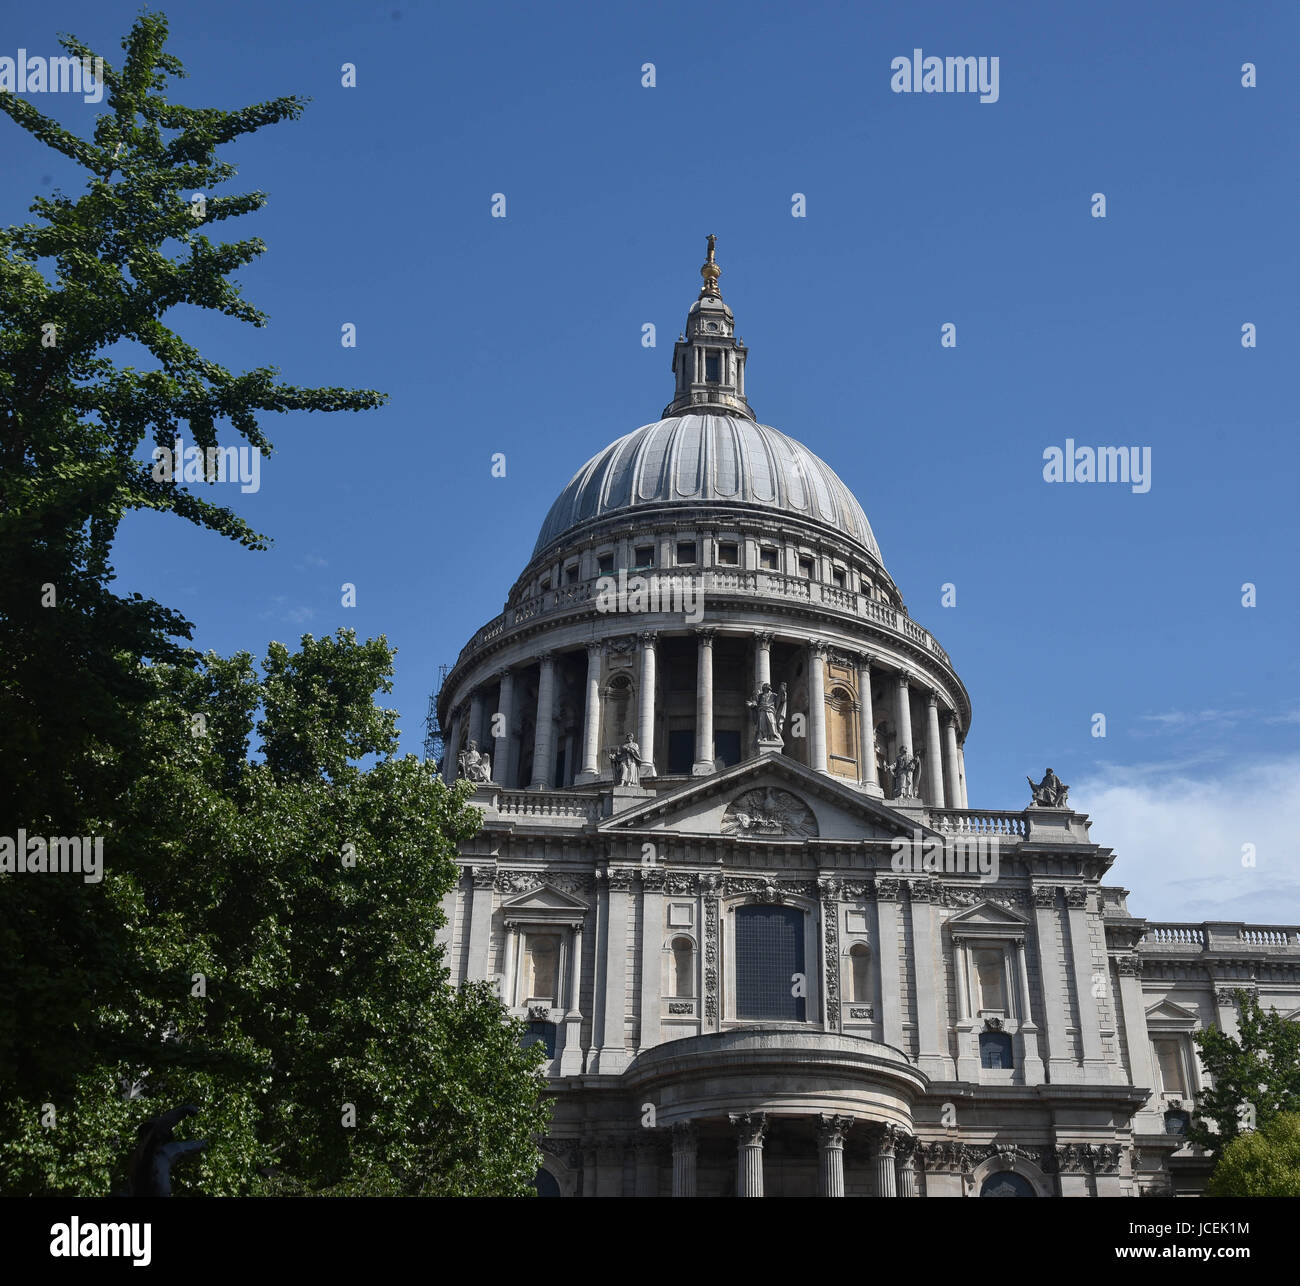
(644, 556)
(728, 554)
(767, 557)
(838, 577)
(805, 567)
(685, 553)
(711, 364)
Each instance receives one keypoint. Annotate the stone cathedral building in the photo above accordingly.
(730, 875)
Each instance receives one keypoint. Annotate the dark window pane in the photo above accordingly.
(545, 1032)
(1006, 1183)
(769, 952)
(681, 751)
(545, 1184)
(711, 368)
(726, 746)
(995, 1050)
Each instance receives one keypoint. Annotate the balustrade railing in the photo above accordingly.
(970, 821)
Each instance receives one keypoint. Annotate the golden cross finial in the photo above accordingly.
(710, 271)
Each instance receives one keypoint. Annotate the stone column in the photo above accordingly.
(544, 733)
(932, 1055)
(591, 720)
(868, 775)
(933, 751)
(505, 716)
(967, 1062)
(1133, 1013)
(750, 1128)
(817, 706)
(1060, 1050)
(905, 1165)
(830, 1143)
(762, 660)
(646, 714)
(903, 718)
(1076, 901)
(886, 1183)
(961, 764)
(951, 767)
(509, 978)
(1028, 1028)
(450, 764)
(1225, 1010)
(703, 765)
(891, 1014)
(613, 1051)
(571, 1054)
(686, 1140)
(476, 717)
(480, 922)
(652, 936)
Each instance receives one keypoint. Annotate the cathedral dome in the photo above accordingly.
(693, 459)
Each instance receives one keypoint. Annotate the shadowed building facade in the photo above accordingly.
(730, 876)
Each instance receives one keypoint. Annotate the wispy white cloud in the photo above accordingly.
(288, 613)
(1178, 828)
(1185, 721)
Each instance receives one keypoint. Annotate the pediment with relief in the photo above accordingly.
(987, 917)
(542, 904)
(770, 798)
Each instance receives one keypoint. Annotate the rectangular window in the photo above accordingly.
(711, 368)
(989, 990)
(769, 558)
(571, 573)
(838, 578)
(769, 963)
(728, 554)
(605, 564)
(1169, 1059)
(805, 566)
(726, 745)
(644, 556)
(544, 585)
(681, 751)
(685, 552)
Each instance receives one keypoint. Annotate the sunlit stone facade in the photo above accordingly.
(799, 962)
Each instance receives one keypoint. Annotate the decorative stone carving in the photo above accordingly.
(904, 771)
(474, 766)
(627, 762)
(831, 1129)
(887, 890)
(751, 1126)
(539, 1013)
(620, 878)
(1044, 895)
(831, 921)
(515, 881)
(680, 1007)
(568, 1151)
(770, 711)
(765, 889)
(710, 950)
(1073, 1158)
(923, 890)
(993, 1024)
(768, 813)
(679, 882)
(1129, 966)
(484, 876)
(862, 1011)
(1076, 899)
(653, 879)
(1227, 995)
(1051, 792)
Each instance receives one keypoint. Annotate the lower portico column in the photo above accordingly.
(686, 1141)
(750, 1128)
(933, 753)
(703, 765)
(830, 1143)
(504, 717)
(905, 1164)
(903, 718)
(886, 1185)
(952, 770)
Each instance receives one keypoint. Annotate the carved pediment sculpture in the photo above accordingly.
(768, 813)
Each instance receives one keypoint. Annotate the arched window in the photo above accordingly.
(995, 1050)
(859, 972)
(683, 968)
(841, 734)
(619, 711)
(770, 963)
(545, 1184)
(1007, 1183)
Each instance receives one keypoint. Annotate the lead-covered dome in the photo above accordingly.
(695, 459)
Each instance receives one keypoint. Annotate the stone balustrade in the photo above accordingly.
(1222, 936)
(972, 821)
(722, 582)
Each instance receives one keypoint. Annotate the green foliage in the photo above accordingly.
(1263, 1164)
(324, 983)
(1255, 1076)
(307, 890)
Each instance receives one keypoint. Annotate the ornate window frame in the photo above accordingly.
(811, 911)
(1168, 1020)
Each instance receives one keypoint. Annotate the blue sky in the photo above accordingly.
(523, 335)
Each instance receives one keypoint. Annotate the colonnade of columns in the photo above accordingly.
(891, 1156)
(945, 768)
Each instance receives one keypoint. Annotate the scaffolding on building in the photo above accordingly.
(434, 741)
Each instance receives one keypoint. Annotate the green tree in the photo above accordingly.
(1255, 1076)
(1265, 1163)
(298, 889)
